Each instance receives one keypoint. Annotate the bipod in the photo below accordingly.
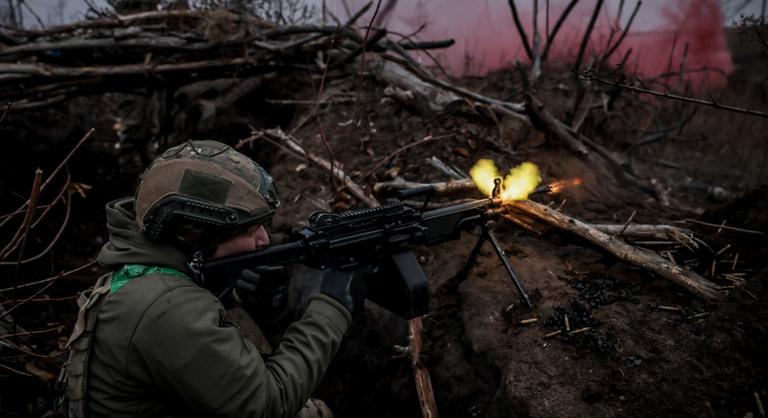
(488, 235)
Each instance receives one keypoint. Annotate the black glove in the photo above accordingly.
(264, 292)
(346, 287)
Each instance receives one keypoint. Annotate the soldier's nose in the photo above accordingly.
(259, 235)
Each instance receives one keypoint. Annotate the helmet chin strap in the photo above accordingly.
(197, 251)
(196, 267)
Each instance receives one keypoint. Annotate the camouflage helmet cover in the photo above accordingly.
(207, 183)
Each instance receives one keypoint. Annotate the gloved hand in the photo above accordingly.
(264, 292)
(346, 287)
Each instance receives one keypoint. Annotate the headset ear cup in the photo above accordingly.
(268, 189)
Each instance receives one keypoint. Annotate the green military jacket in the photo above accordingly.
(161, 346)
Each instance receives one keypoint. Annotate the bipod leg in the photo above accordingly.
(505, 260)
(472, 257)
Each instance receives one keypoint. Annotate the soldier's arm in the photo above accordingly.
(193, 355)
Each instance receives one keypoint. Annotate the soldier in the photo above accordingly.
(150, 340)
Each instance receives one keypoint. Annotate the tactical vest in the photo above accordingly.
(73, 377)
(74, 372)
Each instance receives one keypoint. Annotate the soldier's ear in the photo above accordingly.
(195, 238)
(188, 234)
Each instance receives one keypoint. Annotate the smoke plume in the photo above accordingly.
(662, 37)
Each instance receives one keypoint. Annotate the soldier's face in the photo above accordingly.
(255, 238)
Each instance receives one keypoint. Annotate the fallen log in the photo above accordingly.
(425, 97)
(637, 256)
(547, 122)
(514, 110)
(446, 188)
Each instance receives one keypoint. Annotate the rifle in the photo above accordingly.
(381, 239)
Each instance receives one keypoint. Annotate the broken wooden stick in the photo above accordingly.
(423, 382)
(729, 228)
(647, 231)
(643, 258)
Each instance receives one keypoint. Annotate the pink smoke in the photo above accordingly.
(486, 38)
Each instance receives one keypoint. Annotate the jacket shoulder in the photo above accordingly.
(123, 311)
(115, 372)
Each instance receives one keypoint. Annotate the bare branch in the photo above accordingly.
(588, 34)
(521, 30)
(57, 169)
(536, 65)
(556, 28)
(31, 208)
(20, 237)
(11, 369)
(587, 76)
(398, 151)
(613, 48)
(52, 278)
(41, 290)
(5, 112)
(53, 241)
(34, 14)
(353, 19)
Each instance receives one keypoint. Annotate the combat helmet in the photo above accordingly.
(205, 184)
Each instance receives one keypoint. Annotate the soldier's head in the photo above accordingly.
(205, 196)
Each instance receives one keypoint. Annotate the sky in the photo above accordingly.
(646, 17)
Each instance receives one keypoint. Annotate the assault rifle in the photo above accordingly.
(380, 238)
